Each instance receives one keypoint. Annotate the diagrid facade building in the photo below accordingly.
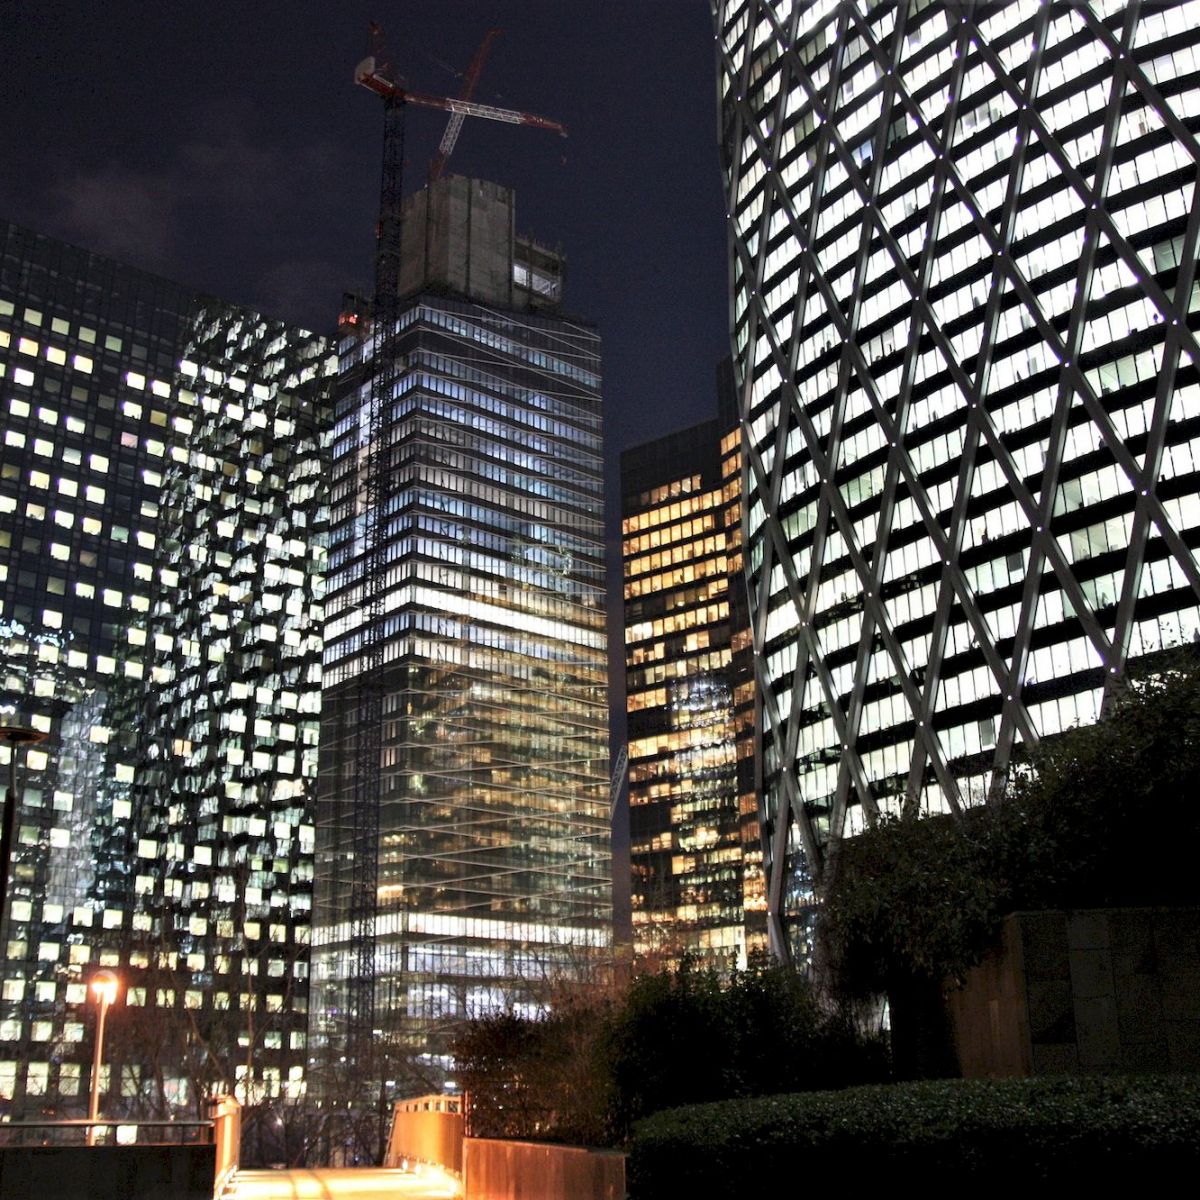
(488, 839)
(964, 244)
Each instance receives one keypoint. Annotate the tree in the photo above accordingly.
(542, 1076)
(176, 1041)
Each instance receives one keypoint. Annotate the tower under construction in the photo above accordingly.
(463, 842)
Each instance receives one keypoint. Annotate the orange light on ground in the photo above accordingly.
(347, 1183)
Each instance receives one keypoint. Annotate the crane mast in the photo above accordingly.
(381, 362)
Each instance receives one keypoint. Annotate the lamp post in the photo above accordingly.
(14, 737)
(104, 987)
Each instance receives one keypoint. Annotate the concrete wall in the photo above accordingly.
(504, 1170)
(1068, 992)
(989, 1016)
(458, 236)
(107, 1172)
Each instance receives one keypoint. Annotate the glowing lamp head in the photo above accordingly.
(104, 986)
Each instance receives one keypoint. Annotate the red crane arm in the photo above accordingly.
(455, 124)
(366, 75)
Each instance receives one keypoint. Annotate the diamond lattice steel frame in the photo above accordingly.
(919, 193)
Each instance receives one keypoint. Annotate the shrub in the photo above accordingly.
(538, 1078)
(598, 1060)
(994, 1133)
(692, 1035)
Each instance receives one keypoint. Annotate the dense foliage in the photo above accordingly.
(601, 1058)
(1013, 1133)
(912, 901)
(540, 1078)
(690, 1035)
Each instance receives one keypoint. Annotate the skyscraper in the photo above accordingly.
(695, 854)
(491, 851)
(223, 799)
(162, 547)
(964, 240)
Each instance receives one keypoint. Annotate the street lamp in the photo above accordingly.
(104, 987)
(12, 736)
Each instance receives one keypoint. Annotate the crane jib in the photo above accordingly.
(366, 75)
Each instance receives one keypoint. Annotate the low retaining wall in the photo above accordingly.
(108, 1172)
(503, 1170)
(430, 1129)
(1114, 989)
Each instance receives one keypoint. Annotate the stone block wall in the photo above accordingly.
(1101, 990)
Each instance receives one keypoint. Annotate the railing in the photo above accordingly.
(434, 1103)
(108, 1133)
(222, 1131)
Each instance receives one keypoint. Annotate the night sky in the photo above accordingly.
(225, 145)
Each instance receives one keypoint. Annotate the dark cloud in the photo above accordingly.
(127, 214)
(241, 199)
(303, 290)
(253, 177)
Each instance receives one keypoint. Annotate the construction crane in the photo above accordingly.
(371, 77)
(381, 363)
(455, 124)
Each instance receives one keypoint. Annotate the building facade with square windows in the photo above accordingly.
(964, 245)
(695, 853)
(480, 866)
(163, 540)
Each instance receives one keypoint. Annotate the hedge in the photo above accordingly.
(993, 1133)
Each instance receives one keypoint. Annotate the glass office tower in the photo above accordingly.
(224, 791)
(695, 855)
(83, 458)
(161, 546)
(492, 855)
(964, 241)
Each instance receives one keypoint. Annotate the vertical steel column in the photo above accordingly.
(381, 367)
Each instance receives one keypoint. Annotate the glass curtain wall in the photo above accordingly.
(160, 543)
(691, 859)
(493, 866)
